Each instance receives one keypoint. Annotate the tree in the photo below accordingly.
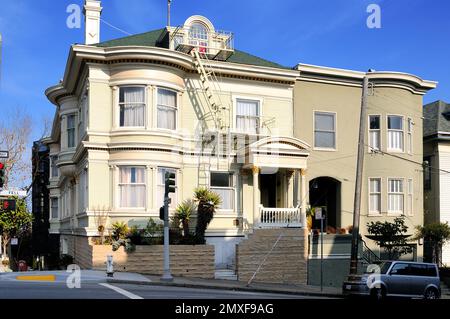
(208, 202)
(436, 235)
(15, 223)
(15, 129)
(184, 212)
(390, 236)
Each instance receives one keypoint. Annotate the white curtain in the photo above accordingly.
(395, 140)
(132, 109)
(54, 208)
(247, 116)
(167, 103)
(375, 195)
(374, 139)
(395, 200)
(132, 186)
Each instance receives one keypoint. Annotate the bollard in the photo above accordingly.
(109, 266)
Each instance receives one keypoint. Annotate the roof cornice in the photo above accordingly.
(380, 78)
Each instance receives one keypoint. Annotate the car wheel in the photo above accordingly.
(378, 293)
(431, 293)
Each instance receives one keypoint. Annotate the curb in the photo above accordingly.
(254, 289)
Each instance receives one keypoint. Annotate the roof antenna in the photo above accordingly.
(168, 12)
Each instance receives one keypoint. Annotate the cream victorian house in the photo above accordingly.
(179, 99)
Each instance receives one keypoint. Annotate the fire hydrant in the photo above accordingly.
(109, 266)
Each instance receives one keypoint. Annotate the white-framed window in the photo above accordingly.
(54, 207)
(395, 133)
(375, 195)
(167, 109)
(82, 191)
(409, 135)
(198, 36)
(374, 133)
(71, 130)
(222, 183)
(82, 112)
(161, 187)
(53, 168)
(395, 195)
(248, 113)
(132, 187)
(132, 106)
(410, 198)
(325, 130)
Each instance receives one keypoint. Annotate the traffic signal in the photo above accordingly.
(170, 182)
(2, 174)
(161, 213)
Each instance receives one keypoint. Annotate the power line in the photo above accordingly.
(114, 27)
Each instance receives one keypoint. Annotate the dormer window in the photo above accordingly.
(198, 36)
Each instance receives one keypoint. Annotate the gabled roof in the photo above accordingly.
(436, 118)
(151, 39)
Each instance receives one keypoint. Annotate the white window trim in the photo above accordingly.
(375, 213)
(409, 135)
(393, 150)
(260, 101)
(369, 148)
(233, 180)
(325, 149)
(390, 212)
(51, 208)
(120, 208)
(51, 169)
(155, 108)
(75, 130)
(410, 192)
(116, 101)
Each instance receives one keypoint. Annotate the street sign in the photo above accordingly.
(318, 213)
(13, 192)
(14, 241)
(4, 154)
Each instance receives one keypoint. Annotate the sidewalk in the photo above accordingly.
(303, 290)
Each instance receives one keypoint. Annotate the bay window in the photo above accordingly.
(132, 188)
(248, 116)
(167, 109)
(71, 131)
(222, 184)
(395, 133)
(54, 207)
(132, 106)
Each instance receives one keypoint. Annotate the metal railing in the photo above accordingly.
(280, 217)
(368, 255)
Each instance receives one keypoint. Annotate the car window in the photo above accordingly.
(400, 269)
(384, 267)
(418, 270)
(430, 271)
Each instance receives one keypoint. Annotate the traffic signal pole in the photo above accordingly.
(169, 188)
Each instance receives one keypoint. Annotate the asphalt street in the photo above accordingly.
(96, 287)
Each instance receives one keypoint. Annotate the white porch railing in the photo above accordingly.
(281, 217)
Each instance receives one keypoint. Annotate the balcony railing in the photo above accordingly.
(281, 217)
(218, 45)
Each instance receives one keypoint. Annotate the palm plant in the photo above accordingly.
(184, 212)
(208, 202)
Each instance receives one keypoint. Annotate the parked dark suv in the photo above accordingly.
(396, 279)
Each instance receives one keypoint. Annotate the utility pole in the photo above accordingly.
(358, 184)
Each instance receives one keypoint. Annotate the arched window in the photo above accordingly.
(198, 36)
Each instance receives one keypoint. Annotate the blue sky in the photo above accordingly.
(414, 38)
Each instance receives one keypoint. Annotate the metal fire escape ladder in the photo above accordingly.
(220, 116)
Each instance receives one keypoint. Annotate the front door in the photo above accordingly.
(268, 188)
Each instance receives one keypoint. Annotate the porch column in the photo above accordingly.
(303, 194)
(256, 196)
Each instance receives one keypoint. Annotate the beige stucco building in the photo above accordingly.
(271, 140)
(327, 105)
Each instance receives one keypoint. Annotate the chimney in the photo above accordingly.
(92, 12)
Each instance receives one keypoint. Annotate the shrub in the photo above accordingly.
(183, 214)
(208, 202)
(120, 230)
(126, 243)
